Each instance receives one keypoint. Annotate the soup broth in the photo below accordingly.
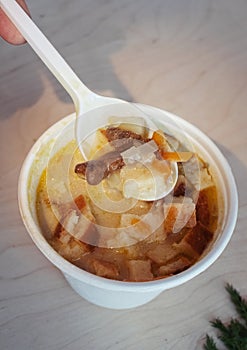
(89, 219)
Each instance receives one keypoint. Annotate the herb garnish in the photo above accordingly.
(234, 334)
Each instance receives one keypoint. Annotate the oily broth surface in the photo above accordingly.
(163, 255)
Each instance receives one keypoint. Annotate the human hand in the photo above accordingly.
(7, 29)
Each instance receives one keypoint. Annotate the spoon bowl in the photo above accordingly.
(107, 115)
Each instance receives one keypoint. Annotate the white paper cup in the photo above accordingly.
(110, 293)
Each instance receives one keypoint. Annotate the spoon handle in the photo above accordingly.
(79, 93)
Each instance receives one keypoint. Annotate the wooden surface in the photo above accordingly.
(188, 57)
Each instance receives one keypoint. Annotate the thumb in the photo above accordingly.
(8, 30)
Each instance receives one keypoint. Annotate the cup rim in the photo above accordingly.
(160, 284)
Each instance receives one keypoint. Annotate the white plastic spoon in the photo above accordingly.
(92, 110)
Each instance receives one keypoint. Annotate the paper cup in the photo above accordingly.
(111, 293)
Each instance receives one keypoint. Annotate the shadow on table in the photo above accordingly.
(239, 171)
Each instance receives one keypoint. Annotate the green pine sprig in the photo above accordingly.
(239, 303)
(210, 344)
(234, 334)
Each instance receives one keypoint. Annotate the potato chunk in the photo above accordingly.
(179, 215)
(105, 269)
(177, 265)
(139, 270)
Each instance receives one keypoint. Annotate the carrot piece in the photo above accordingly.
(176, 156)
(160, 140)
(134, 221)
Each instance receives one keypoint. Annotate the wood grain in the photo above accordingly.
(188, 57)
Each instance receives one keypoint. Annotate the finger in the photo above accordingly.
(8, 30)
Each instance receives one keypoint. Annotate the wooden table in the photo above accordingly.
(188, 57)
